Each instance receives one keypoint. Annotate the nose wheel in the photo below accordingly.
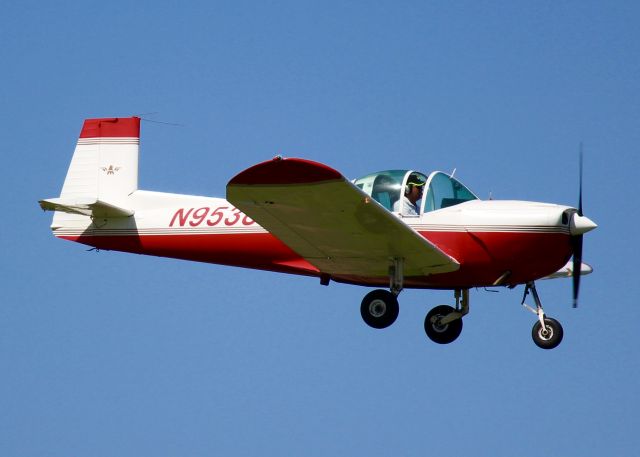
(549, 336)
(547, 333)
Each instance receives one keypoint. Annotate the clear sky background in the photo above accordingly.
(111, 354)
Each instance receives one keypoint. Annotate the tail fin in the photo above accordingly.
(103, 170)
(105, 162)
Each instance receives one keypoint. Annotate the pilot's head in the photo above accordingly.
(415, 187)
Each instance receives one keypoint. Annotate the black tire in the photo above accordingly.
(379, 309)
(549, 339)
(442, 334)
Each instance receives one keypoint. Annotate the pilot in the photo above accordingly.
(407, 206)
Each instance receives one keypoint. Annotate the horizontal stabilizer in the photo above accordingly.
(86, 207)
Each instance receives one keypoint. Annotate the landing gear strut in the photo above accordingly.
(379, 308)
(547, 333)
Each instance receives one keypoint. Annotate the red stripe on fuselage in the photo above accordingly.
(483, 256)
(261, 251)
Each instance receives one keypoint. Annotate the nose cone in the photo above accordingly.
(581, 224)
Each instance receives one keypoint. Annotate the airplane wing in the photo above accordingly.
(567, 271)
(330, 222)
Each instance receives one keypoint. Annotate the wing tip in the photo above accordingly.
(285, 171)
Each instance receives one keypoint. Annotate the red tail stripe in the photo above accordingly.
(111, 127)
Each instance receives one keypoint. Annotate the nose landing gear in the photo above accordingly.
(547, 333)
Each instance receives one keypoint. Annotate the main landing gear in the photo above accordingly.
(443, 324)
(379, 309)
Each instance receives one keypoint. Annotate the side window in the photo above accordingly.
(381, 191)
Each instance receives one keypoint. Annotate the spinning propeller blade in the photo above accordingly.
(577, 265)
(580, 184)
(576, 242)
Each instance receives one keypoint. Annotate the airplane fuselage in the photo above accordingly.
(495, 242)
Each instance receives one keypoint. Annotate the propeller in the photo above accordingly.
(580, 225)
(576, 241)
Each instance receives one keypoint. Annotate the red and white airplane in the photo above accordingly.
(393, 229)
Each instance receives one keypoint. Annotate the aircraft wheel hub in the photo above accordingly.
(545, 334)
(377, 308)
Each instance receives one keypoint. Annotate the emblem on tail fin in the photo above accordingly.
(111, 170)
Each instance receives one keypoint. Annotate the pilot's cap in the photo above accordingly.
(416, 180)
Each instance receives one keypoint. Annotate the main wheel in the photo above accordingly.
(379, 309)
(550, 337)
(442, 334)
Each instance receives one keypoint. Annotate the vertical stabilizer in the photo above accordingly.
(105, 162)
(102, 174)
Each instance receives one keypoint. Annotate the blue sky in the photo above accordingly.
(110, 354)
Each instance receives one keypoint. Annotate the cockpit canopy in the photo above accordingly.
(388, 188)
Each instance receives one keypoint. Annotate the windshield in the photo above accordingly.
(444, 191)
